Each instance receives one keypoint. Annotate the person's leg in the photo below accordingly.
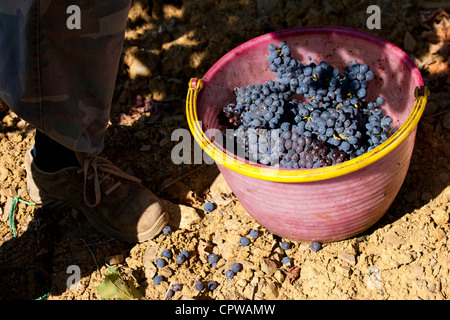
(51, 156)
(58, 79)
(61, 81)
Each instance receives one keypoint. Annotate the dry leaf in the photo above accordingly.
(428, 18)
(438, 24)
(443, 29)
(438, 67)
(114, 287)
(294, 273)
(141, 107)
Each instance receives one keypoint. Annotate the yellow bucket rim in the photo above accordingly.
(276, 174)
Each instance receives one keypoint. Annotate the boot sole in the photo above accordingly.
(53, 204)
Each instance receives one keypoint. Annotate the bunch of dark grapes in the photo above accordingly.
(330, 123)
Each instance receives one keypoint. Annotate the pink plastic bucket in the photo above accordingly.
(324, 204)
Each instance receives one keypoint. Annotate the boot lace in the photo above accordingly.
(101, 170)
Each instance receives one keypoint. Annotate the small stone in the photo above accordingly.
(272, 291)
(433, 262)
(259, 296)
(177, 193)
(227, 251)
(115, 259)
(150, 270)
(219, 187)
(393, 238)
(446, 193)
(166, 272)
(232, 225)
(137, 68)
(220, 263)
(241, 283)
(268, 266)
(8, 205)
(180, 216)
(417, 271)
(440, 216)
(279, 276)
(3, 106)
(204, 249)
(21, 124)
(345, 270)
(347, 257)
(150, 254)
(276, 257)
(438, 234)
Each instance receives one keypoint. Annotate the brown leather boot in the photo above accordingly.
(114, 202)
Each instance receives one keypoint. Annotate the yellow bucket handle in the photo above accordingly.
(299, 175)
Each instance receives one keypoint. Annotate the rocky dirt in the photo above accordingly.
(403, 256)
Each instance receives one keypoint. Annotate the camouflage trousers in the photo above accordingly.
(58, 65)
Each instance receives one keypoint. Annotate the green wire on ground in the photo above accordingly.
(16, 200)
(44, 297)
(12, 211)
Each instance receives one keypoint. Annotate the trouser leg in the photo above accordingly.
(58, 78)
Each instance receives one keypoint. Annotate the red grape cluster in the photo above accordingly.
(331, 122)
